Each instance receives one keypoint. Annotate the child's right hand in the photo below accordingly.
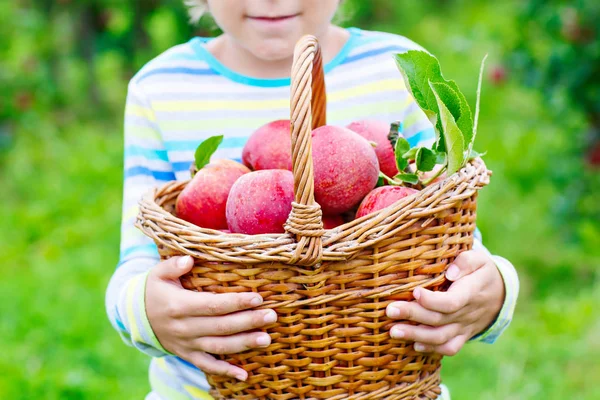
(192, 324)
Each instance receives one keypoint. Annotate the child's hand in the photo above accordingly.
(447, 320)
(191, 324)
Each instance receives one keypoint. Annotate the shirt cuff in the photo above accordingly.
(132, 318)
(511, 290)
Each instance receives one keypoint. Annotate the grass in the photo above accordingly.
(59, 223)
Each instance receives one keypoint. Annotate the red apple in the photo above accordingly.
(332, 221)
(269, 147)
(377, 131)
(202, 202)
(260, 202)
(381, 198)
(345, 168)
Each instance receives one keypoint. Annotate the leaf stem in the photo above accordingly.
(433, 178)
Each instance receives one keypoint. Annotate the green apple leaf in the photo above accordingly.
(413, 179)
(206, 149)
(418, 68)
(474, 154)
(453, 137)
(402, 146)
(411, 154)
(426, 159)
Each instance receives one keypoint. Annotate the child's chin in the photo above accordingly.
(274, 49)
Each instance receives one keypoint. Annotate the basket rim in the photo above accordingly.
(433, 199)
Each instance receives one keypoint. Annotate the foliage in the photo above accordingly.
(558, 51)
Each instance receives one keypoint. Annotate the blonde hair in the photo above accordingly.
(196, 9)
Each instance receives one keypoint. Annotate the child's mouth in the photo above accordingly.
(273, 20)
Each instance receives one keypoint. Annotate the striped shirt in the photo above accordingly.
(186, 95)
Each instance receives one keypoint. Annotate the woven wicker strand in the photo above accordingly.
(328, 287)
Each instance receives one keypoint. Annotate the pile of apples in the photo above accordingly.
(256, 197)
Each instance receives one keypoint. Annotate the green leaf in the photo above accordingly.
(426, 159)
(380, 181)
(418, 68)
(460, 110)
(474, 154)
(411, 154)
(402, 146)
(413, 179)
(472, 141)
(452, 136)
(206, 149)
(440, 158)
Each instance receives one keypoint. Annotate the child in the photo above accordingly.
(231, 85)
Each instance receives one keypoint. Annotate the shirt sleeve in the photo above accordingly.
(146, 166)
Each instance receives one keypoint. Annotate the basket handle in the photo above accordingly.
(307, 111)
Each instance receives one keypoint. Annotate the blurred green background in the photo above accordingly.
(64, 66)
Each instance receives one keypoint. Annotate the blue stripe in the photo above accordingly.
(421, 136)
(189, 364)
(150, 154)
(158, 175)
(176, 70)
(146, 248)
(191, 145)
(375, 52)
(120, 324)
(181, 166)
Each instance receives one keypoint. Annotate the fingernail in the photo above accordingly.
(183, 261)
(419, 347)
(393, 312)
(270, 317)
(452, 272)
(397, 333)
(417, 293)
(242, 376)
(256, 301)
(263, 340)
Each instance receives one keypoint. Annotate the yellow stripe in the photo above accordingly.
(139, 111)
(197, 393)
(135, 333)
(162, 364)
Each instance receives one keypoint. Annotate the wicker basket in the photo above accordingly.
(329, 288)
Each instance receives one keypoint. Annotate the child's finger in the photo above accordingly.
(173, 268)
(425, 334)
(211, 365)
(412, 311)
(464, 264)
(185, 303)
(228, 324)
(445, 302)
(450, 348)
(231, 344)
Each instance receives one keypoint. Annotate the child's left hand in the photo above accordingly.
(447, 320)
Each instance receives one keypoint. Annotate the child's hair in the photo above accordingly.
(196, 9)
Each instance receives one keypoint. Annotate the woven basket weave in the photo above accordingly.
(329, 288)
